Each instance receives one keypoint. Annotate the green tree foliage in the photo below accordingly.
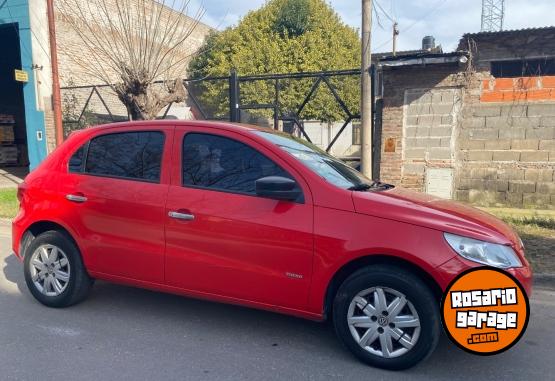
(284, 36)
(293, 18)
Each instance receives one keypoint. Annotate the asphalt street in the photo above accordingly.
(121, 333)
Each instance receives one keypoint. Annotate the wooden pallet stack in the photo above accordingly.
(8, 148)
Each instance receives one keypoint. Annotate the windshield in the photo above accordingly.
(329, 168)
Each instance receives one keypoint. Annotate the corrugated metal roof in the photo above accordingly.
(510, 31)
(424, 58)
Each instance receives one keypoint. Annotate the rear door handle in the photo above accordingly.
(76, 198)
(181, 216)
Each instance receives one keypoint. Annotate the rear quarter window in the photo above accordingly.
(77, 159)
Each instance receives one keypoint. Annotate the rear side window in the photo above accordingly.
(215, 162)
(131, 155)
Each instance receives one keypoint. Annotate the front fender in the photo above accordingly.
(343, 237)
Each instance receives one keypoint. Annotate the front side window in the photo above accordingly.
(216, 162)
(131, 155)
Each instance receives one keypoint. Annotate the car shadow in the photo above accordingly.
(13, 272)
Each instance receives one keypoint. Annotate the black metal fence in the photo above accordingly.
(284, 101)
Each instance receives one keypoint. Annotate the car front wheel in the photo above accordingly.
(387, 317)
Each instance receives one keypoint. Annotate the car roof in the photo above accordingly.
(174, 122)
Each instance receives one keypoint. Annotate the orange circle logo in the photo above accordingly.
(485, 311)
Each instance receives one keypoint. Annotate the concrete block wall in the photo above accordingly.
(506, 154)
(503, 131)
(418, 116)
(429, 123)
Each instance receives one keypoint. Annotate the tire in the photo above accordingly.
(54, 271)
(359, 298)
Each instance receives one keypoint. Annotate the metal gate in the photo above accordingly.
(227, 98)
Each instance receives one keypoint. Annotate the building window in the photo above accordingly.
(356, 133)
(523, 68)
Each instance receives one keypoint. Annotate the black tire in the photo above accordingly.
(79, 283)
(416, 292)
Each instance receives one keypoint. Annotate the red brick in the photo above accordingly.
(548, 82)
(545, 94)
(517, 95)
(492, 96)
(504, 84)
(527, 83)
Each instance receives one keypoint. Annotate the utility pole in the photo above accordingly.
(366, 93)
(56, 93)
(395, 34)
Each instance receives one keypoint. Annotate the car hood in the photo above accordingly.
(433, 212)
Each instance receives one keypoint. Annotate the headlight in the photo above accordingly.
(483, 252)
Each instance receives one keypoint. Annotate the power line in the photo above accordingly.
(384, 12)
(435, 8)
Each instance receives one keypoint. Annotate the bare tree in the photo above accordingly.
(137, 47)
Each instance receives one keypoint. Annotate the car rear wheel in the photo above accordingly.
(54, 270)
(387, 317)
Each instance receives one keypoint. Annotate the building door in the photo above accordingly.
(13, 138)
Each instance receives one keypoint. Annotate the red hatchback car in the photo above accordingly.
(245, 215)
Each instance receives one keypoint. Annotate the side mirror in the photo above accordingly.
(278, 188)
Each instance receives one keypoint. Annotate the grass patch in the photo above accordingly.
(537, 230)
(9, 205)
(538, 221)
(525, 217)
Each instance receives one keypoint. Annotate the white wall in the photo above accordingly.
(322, 134)
(41, 53)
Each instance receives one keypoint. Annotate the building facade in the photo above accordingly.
(475, 125)
(25, 105)
(27, 127)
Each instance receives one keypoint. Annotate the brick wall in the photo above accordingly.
(418, 119)
(430, 117)
(74, 73)
(496, 135)
(507, 154)
(70, 46)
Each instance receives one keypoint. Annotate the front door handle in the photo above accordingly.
(181, 216)
(76, 198)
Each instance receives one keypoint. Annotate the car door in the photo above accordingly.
(231, 242)
(117, 184)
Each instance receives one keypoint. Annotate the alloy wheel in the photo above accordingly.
(50, 270)
(383, 322)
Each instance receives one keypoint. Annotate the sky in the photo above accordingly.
(446, 20)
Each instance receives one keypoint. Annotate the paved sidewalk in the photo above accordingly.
(11, 176)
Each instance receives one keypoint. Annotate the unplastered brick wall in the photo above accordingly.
(70, 45)
(418, 119)
(506, 144)
(507, 154)
(536, 88)
(502, 146)
(430, 117)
